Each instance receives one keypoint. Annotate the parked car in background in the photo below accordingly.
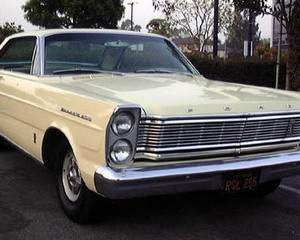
(124, 114)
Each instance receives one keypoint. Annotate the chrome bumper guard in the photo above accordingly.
(187, 177)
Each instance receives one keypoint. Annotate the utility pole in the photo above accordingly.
(250, 37)
(279, 53)
(131, 26)
(216, 23)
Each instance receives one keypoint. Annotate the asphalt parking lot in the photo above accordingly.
(29, 210)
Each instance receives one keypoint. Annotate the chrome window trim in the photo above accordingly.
(42, 56)
(34, 54)
(185, 59)
(192, 69)
(35, 59)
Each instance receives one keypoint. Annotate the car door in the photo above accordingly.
(15, 69)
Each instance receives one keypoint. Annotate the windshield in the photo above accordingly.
(120, 53)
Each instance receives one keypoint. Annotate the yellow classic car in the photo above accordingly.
(125, 114)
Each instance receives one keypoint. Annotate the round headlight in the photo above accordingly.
(121, 151)
(122, 123)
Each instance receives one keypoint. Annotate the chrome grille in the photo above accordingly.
(169, 138)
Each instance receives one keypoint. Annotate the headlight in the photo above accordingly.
(122, 134)
(121, 151)
(122, 123)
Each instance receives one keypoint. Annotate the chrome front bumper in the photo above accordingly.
(186, 177)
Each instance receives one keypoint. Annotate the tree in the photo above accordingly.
(74, 13)
(238, 34)
(289, 10)
(195, 17)
(294, 44)
(8, 29)
(263, 49)
(253, 8)
(225, 21)
(164, 28)
(256, 6)
(126, 25)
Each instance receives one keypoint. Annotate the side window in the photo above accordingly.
(17, 54)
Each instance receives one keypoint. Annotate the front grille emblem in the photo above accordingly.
(290, 128)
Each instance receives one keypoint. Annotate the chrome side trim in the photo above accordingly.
(21, 149)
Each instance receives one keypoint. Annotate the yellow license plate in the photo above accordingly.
(241, 181)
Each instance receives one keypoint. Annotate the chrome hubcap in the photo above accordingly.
(71, 177)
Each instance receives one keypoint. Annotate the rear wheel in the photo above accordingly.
(74, 197)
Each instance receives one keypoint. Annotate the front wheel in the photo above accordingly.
(267, 188)
(74, 197)
(2, 141)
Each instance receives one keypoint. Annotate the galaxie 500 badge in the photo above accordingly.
(76, 114)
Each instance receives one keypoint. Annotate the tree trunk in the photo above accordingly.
(287, 76)
(216, 23)
(293, 30)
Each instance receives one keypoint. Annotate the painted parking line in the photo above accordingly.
(290, 189)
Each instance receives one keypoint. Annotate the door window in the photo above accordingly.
(17, 54)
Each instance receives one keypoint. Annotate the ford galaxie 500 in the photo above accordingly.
(125, 114)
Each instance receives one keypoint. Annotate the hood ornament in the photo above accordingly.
(260, 107)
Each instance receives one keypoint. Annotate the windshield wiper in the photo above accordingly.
(85, 70)
(162, 71)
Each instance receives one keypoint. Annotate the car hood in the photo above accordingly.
(178, 94)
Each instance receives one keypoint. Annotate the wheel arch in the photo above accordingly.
(53, 137)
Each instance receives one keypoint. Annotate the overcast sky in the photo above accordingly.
(143, 12)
